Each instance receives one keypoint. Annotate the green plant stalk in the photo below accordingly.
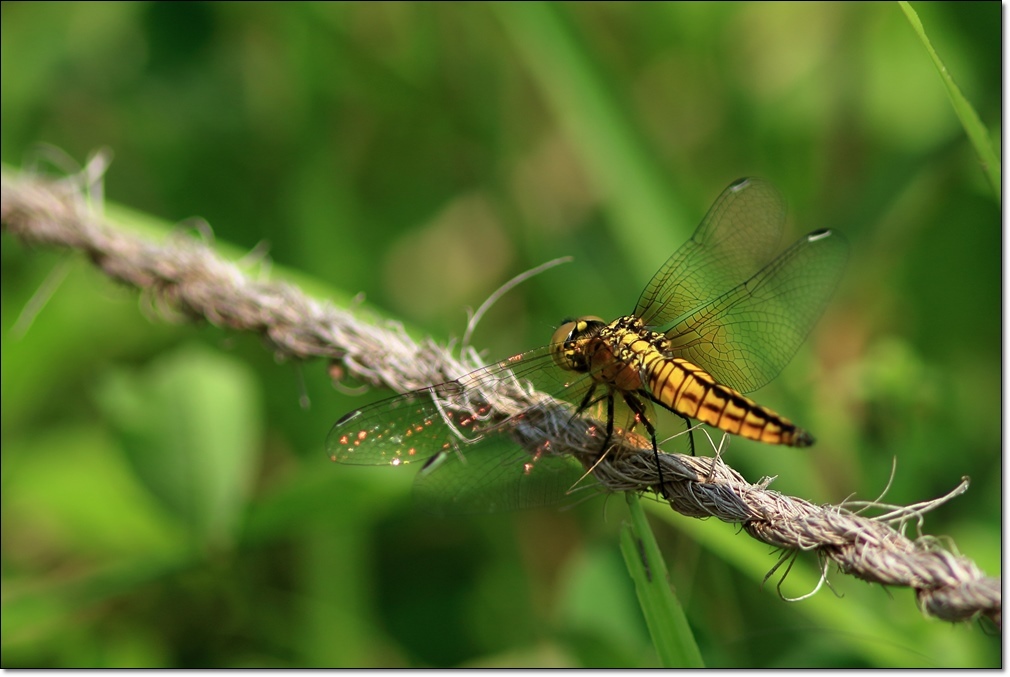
(591, 108)
(671, 634)
(977, 132)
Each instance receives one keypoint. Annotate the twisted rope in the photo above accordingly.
(186, 275)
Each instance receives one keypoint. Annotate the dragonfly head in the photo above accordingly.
(569, 342)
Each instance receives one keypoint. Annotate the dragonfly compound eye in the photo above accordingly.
(569, 342)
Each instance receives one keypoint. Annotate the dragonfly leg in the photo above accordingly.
(690, 428)
(638, 408)
(690, 431)
(610, 431)
(587, 401)
(610, 425)
(687, 421)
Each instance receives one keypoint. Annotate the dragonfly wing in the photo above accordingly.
(396, 431)
(473, 436)
(415, 426)
(496, 478)
(738, 235)
(746, 336)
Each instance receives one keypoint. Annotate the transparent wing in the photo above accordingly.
(497, 478)
(472, 459)
(746, 336)
(416, 426)
(736, 238)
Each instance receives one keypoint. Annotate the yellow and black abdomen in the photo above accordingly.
(688, 390)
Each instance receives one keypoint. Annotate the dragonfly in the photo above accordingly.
(720, 318)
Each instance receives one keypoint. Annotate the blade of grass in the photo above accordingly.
(600, 124)
(977, 132)
(671, 634)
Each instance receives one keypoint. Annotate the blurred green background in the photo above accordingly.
(166, 501)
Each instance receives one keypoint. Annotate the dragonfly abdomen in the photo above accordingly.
(686, 389)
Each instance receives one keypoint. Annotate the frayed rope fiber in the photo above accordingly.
(183, 274)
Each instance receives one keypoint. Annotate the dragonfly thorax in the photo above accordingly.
(619, 354)
(568, 345)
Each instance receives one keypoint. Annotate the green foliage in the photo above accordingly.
(969, 118)
(166, 502)
(668, 625)
(191, 432)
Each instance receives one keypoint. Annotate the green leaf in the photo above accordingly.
(976, 131)
(671, 633)
(109, 517)
(190, 425)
